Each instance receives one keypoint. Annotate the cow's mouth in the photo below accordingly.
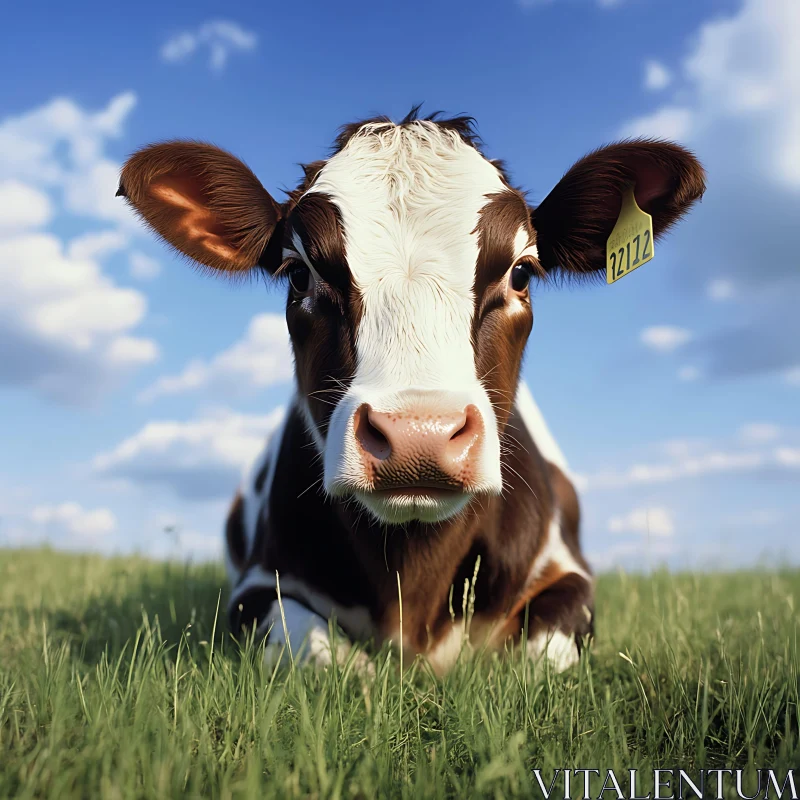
(409, 503)
(433, 492)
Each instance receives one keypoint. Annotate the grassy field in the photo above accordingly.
(117, 680)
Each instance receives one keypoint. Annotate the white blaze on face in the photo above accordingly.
(410, 200)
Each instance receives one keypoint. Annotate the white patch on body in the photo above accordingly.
(356, 620)
(521, 246)
(537, 428)
(555, 551)
(309, 638)
(410, 201)
(303, 628)
(443, 654)
(558, 648)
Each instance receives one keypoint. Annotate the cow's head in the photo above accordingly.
(408, 258)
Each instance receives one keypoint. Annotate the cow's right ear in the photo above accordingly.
(206, 203)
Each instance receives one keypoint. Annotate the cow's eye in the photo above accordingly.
(299, 278)
(521, 276)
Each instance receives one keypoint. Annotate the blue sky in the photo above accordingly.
(134, 390)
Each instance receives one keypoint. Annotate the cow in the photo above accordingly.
(411, 461)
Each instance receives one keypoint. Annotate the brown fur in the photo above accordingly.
(498, 338)
(318, 223)
(207, 204)
(323, 337)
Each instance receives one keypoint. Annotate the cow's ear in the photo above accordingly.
(206, 203)
(573, 223)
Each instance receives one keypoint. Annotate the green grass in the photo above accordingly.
(117, 680)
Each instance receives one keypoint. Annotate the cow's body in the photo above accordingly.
(409, 452)
(338, 562)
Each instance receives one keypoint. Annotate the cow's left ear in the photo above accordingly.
(206, 203)
(573, 223)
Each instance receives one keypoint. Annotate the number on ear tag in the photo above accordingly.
(631, 242)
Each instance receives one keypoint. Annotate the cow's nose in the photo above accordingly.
(419, 447)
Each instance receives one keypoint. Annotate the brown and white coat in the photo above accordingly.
(410, 448)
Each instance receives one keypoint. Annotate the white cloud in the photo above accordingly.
(142, 267)
(684, 448)
(92, 193)
(646, 521)
(76, 524)
(744, 67)
(60, 146)
(656, 76)
(721, 289)
(23, 206)
(670, 122)
(201, 459)
(664, 338)
(788, 457)
(159, 535)
(792, 376)
(689, 373)
(718, 462)
(713, 462)
(96, 245)
(66, 328)
(261, 358)
(129, 349)
(675, 489)
(758, 432)
(220, 37)
(749, 65)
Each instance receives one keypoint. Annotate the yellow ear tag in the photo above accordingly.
(631, 242)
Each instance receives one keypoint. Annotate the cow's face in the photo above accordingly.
(409, 260)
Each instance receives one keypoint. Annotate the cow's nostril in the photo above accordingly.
(376, 434)
(469, 427)
(371, 438)
(462, 429)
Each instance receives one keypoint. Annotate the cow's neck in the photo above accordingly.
(426, 556)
